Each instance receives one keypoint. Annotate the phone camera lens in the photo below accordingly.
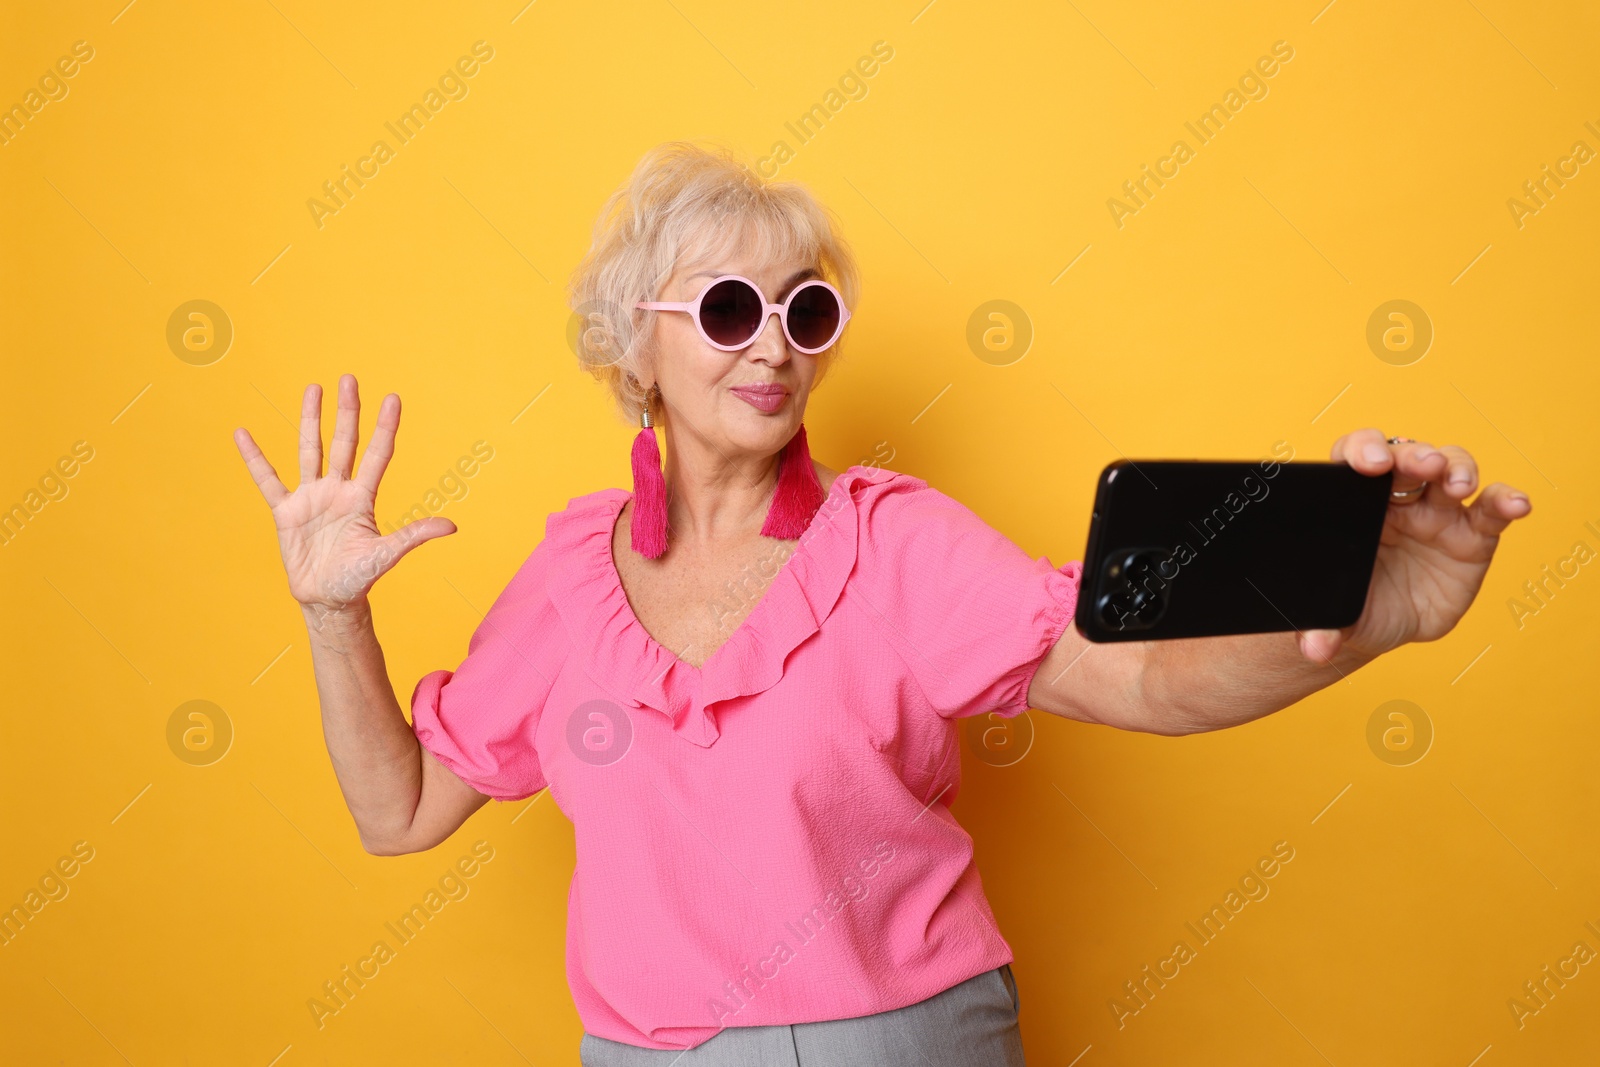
(1135, 588)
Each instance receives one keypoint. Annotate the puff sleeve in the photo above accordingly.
(971, 614)
(479, 720)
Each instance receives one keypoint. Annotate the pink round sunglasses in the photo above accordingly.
(731, 310)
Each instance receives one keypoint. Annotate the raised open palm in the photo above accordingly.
(332, 550)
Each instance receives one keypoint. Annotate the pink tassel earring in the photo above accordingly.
(649, 520)
(799, 493)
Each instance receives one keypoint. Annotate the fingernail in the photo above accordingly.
(1375, 453)
(1460, 478)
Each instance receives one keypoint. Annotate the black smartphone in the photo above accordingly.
(1201, 548)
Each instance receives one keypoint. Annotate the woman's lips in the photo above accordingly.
(768, 398)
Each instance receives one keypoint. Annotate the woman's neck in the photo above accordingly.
(713, 496)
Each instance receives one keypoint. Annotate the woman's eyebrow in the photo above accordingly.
(800, 275)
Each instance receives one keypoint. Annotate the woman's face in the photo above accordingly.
(699, 383)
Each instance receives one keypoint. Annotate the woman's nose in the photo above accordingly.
(771, 344)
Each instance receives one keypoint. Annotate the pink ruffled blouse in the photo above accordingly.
(765, 839)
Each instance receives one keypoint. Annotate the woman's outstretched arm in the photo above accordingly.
(1432, 558)
(402, 798)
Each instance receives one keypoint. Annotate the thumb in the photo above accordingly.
(413, 534)
(1320, 645)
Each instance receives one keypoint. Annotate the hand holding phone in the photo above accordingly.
(1202, 548)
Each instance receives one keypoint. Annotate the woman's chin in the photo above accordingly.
(761, 434)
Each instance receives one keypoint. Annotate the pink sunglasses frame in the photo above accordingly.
(768, 309)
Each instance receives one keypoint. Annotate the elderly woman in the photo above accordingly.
(741, 679)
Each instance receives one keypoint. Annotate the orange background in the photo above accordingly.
(1229, 312)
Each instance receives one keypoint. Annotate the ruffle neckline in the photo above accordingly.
(637, 671)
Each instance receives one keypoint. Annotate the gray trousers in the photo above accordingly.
(973, 1024)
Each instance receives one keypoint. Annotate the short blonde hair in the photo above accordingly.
(684, 205)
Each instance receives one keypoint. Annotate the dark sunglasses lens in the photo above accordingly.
(814, 316)
(730, 312)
